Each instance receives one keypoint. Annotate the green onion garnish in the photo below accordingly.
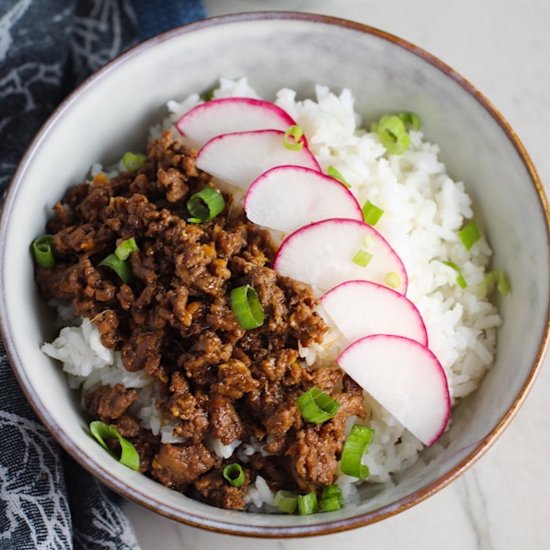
(286, 501)
(355, 447)
(120, 267)
(330, 504)
(362, 258)
(492, 279)
(307, 504)
(316, 406)
(125, 248)
(207, 95)
(132, 161)
(128, 454)
(460, 280)
(234, 474)
(117, 261)
(334, 173)
(42, 251)
(392, 279)
(410, 120)
(205, 205)
(331, 499)
(292, 139)
(246, 307)
(331, 491)
(469, 235)
(371, 213)
(393, 134)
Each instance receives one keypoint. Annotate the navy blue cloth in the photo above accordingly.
(46, 48)
(152, 21)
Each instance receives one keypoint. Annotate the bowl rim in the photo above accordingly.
(196, 520)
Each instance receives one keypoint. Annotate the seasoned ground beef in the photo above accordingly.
(178, 465)
(110, 403)
(173, 320)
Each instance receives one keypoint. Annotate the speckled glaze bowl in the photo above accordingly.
(110, 113)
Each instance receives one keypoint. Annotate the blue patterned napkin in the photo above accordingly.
(47, 47)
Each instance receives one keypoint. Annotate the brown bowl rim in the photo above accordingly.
(220, 526)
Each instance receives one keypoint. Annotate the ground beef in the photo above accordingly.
(185, 406)
(314, 454)
(127, 426)
(234, 379)
(273, 470)
(226, 424)
(110, 403)
(287, 417)
(173, 321)
(215, 490)
(178, 465)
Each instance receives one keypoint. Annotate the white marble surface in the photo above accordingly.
(503, 502)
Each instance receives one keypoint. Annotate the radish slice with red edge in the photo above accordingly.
(362, 308)
(406, 378)
(228, 115)
(327, 253)
(239, 158)
(288, 197)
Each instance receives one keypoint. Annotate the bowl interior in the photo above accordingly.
(111, 114)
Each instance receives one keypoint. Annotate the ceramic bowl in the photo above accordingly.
(110, 113)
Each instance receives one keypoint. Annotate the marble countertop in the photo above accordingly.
(503, 501)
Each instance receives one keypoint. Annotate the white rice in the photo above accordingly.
(423, 211)
(221, 450)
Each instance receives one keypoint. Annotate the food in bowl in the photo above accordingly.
(262, 377)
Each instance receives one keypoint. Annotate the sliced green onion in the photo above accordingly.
(330, 504)
(410, 120)
(392, 279)
(307, 504)
(120, 267)
(205, 205)
(460, 280)
(292, 139)
(362, 258)
(331, 491)
(125, 248)
(234, 474)
(207, 95)
(334, 173)
(371, 213)
(498, 278)
(393, 134)
(128, 453)
(331, 499)
(316, 406)
(246, 307)
(133, 161)
(194, 220)
(469, 235)
(118, 261)
(355, 447)
(42, 251)
(286, 501)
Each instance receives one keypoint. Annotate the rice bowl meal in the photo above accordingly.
(273, 304)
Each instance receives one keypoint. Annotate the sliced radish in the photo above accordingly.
(231, 114)
(406, 378)
(362, 308)
(321, 254)
(288, 197)
(241, 157)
